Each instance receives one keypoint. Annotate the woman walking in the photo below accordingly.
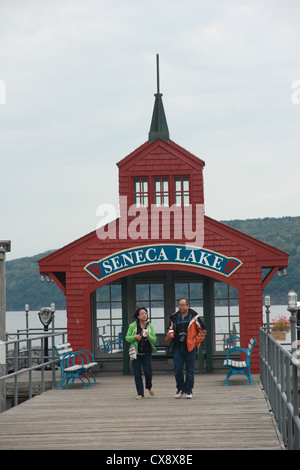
(141, 335)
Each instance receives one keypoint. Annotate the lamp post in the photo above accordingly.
(52, 308)
(5, 246)
(26, 318)
(293, 309)
(268, 305)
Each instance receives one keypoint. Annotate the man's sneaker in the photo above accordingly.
(139, 397)
(151, 391)
(189, 395)
(179, 394)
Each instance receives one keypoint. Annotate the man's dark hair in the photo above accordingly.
(184, 298)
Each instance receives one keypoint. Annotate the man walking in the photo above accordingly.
(187, 331)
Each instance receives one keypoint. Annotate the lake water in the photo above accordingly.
(17, 320)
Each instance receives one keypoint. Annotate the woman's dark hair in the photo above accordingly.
(136, 313)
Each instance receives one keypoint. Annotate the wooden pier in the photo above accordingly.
(106, 416)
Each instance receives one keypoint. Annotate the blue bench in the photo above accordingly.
(111, 345)
(74, 365)
(240, 367)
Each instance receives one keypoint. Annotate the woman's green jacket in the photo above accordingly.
(132, 331)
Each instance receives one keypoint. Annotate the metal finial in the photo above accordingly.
(157, 72)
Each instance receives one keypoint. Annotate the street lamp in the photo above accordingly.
(293, 309)
(26, 317)
(52, 308)
(5, 247)
(268, 305)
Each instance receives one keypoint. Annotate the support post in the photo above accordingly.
(126, 362)
(207, 302)
(4, 247)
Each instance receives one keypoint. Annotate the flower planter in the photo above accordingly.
(278, 335)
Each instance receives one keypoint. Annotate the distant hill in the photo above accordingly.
(284, 234)
(23, 284)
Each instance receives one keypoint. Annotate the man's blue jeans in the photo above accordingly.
(181, 357)
(145, 361)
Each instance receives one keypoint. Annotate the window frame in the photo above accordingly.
(142, 194)
(182, 192)
(162, 194)
(136, 197)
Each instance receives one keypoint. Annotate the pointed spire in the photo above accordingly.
(159, 127)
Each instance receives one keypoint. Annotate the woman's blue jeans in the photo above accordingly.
(181, 357)
(145, 361)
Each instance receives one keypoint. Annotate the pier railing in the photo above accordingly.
(279, 376)
(28, 354)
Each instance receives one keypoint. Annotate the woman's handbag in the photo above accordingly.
(132, 353)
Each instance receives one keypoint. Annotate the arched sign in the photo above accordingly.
(159, 255)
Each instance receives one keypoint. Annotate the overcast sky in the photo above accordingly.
(77, 84)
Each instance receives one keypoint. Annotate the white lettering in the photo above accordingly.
(118, 460)
(2, 92)
(203, 258)
(191, 258)
(198, 234)
(217, 263)
(109, 212)
(162, 255)
(107, 267)
(147, 254)
(139, 256)
(178, 253)
(159, 254)
(163, 220)
(128, 257)
(116, 262)
(296, 94)
(141, 221)
(165, 213)
(123, 220)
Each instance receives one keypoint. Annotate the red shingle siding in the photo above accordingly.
(157, 160)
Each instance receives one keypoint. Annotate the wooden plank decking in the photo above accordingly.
(107, 416)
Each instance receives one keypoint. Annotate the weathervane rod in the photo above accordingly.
(159, 127)
(157, 72)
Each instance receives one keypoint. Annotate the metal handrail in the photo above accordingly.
(279, 377)
(46, 362)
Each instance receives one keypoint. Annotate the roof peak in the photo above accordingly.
(159, 127)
